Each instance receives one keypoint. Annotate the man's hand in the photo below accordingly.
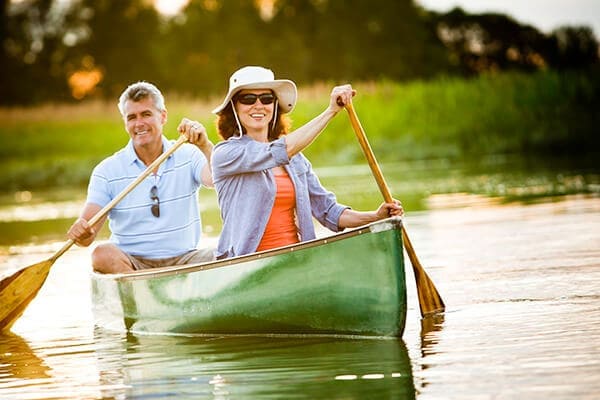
(195, 132)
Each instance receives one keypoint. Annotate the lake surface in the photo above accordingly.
(521, 282)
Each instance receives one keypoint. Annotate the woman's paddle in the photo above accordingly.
(430, 300)
(17, 290)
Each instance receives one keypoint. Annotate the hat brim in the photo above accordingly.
(284, 89)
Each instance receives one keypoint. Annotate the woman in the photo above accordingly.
(267, 190)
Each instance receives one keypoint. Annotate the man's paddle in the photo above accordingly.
(430, 300)
(17, 290)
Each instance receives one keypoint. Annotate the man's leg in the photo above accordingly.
(109, 259)
(197, 256)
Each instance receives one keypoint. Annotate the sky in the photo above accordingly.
(545, 15)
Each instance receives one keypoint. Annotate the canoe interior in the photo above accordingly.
(347, 284)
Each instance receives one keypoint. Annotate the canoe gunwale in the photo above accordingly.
(378, 226)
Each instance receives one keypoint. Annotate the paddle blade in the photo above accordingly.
(18, 289)
(430, 301)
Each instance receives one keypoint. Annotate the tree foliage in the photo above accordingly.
(482, 42)
(55, 50)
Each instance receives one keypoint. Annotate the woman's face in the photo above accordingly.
(252, 111)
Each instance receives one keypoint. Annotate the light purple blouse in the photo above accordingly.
(246, 190)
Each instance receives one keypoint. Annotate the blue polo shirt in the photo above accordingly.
(133, 227)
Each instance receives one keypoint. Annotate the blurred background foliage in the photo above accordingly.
(69, 50)
(433, 86)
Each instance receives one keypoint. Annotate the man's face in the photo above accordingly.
(144, 122)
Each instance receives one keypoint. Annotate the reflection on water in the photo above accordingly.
(188, 367)
(23, 211)
(39, 217)
(18, 361)
(431, 325)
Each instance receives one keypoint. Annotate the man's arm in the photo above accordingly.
(80, 232)
(196, 134)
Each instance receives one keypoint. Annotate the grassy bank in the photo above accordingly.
(546, 115)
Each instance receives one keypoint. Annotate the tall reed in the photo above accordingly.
(546, 114)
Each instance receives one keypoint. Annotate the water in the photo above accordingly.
(521, 283)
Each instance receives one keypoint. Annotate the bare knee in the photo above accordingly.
(109, 259)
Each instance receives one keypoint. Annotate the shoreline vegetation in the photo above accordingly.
(544, 116)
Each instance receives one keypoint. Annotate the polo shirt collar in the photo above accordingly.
(132, 156)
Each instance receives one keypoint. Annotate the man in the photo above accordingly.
(158, 223)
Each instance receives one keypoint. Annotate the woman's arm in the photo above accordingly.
(351, 218)
(299, 139)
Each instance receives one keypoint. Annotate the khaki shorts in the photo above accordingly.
(192, 257)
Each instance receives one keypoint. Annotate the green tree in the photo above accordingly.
(124, 43)
(32, 50)
(355, 39)
(574, 47)
(490, 41)
(211, 41)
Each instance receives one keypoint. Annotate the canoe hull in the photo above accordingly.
(348, 284)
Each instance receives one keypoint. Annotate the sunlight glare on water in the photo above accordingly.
(36, 212)
(521, 284)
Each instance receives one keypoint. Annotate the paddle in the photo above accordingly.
(17, 290)
(430, 300)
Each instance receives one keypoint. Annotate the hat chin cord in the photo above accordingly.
(274, 116)
(237, 120)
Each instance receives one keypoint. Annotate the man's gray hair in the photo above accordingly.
(139, 91)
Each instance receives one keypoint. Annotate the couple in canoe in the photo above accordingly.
(267, 190)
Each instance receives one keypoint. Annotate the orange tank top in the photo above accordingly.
(281, 229)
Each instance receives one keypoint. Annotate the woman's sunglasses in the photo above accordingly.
(250, 98)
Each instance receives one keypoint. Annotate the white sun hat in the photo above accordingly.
(253, 77)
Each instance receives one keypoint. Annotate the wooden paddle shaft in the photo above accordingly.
(104, 211)
(429, 299)
(383, 187)
(366, 147)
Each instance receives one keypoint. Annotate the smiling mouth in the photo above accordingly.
(140, 133)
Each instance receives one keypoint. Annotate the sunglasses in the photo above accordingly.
(155, 207)
(250, 98)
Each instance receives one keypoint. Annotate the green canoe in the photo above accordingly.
(351, 283)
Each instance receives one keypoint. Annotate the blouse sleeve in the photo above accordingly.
(240, 156)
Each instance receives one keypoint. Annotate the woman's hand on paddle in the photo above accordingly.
(351, 218)
(340, 96)
(386, 210)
